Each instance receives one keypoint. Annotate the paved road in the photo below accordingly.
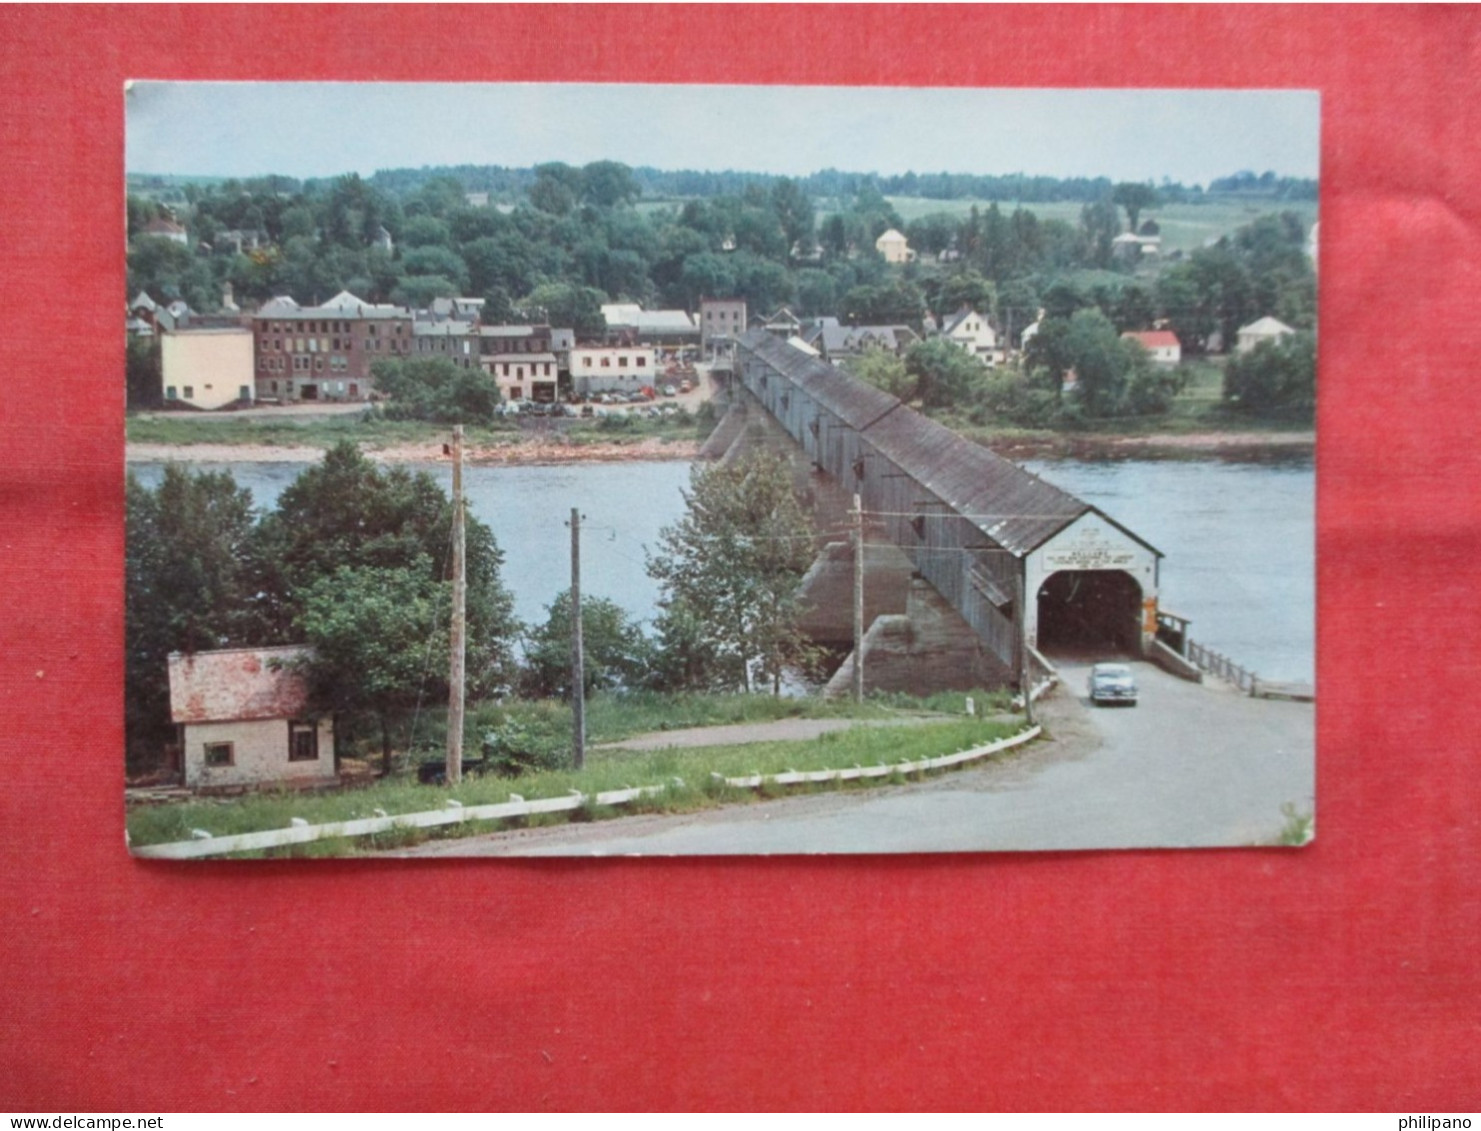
(1191, 766)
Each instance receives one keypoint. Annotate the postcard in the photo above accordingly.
(576, 469)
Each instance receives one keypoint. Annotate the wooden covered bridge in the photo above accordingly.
(946, 513)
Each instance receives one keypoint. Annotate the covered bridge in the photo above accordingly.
(975, 525)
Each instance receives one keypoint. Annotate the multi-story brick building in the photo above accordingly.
(307, 353)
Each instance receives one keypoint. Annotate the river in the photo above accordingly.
(1238, 538)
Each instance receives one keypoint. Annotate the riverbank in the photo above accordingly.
(517, 451)
(1234, 447)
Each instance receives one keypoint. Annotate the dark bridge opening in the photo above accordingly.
(1090, 611)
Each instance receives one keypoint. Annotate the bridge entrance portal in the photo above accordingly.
(1090, 609)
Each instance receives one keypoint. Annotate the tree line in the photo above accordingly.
(353, 561)
(581, 236)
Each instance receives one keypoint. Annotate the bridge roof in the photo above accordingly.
(1010, 504)
(855, 402)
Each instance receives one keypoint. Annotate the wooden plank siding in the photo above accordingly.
(966, 517)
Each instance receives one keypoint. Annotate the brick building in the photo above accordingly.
(309, 353)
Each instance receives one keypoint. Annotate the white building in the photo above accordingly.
(972, 332)
(1266, 329)
(894, 247)
(244, 721)
(207, 368)
(613, 369)
(1162, 345)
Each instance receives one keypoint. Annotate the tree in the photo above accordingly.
(438, 390)
(884, 370)
(1275, 378)
(1133, 197)
(349, 512)
(1099, 226)
(142, 372)
(188, 571)
(606, 184)
(1114, 377)
(565, 304)
(379, 642)
(731, 570)
(556, 189)
(615, 652)
(795, 212)
(945, 374)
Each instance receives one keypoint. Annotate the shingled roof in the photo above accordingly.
(236, 684)
(1010, 505)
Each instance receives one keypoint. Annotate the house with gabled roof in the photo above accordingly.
(1162, 345)
(1265, 329)
(973, 333)
(893, 245)
(244, 720)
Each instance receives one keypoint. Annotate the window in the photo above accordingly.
(170, 392)
(622, 362)
(220, 754)
(188, 392)
(606, 363)
(642, 361)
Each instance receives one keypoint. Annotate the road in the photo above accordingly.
(1190, 766)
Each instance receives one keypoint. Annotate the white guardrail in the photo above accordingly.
(455, 812)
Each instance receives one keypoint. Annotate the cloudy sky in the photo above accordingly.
(323, 129)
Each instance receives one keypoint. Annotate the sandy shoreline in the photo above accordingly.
(524, 452)
(1237, 446)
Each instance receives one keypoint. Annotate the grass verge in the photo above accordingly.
(686, 772)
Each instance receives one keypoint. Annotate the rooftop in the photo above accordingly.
(236, 684)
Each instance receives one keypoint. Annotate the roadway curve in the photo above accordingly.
(1191, 766)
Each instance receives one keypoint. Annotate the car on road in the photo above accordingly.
(1112, 683)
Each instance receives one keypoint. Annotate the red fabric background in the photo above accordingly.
(1341, 976)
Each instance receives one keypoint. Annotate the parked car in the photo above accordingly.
(1112, 683)
(670, 391)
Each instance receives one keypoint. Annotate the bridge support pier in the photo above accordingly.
(827, 590)
(929, 648)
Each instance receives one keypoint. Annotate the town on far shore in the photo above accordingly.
(858, 579)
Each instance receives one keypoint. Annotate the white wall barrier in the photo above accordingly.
(798, 777)
(455, 812)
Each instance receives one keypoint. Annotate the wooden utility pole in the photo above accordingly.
(858, 515)
(578, 658)
(1025, 675)
(458, 647)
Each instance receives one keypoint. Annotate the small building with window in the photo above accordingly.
(244, 720)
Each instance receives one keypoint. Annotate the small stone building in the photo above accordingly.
(244, 721)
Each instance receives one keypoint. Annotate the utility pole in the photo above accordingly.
(578, 660)
(1025, 676)
(458, 645)
(858, 516)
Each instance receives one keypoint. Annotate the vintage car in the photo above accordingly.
(1112, 683)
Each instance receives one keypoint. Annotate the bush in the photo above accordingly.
(538, 737)
(1275, 378)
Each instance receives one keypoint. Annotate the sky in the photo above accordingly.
(326, 129)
